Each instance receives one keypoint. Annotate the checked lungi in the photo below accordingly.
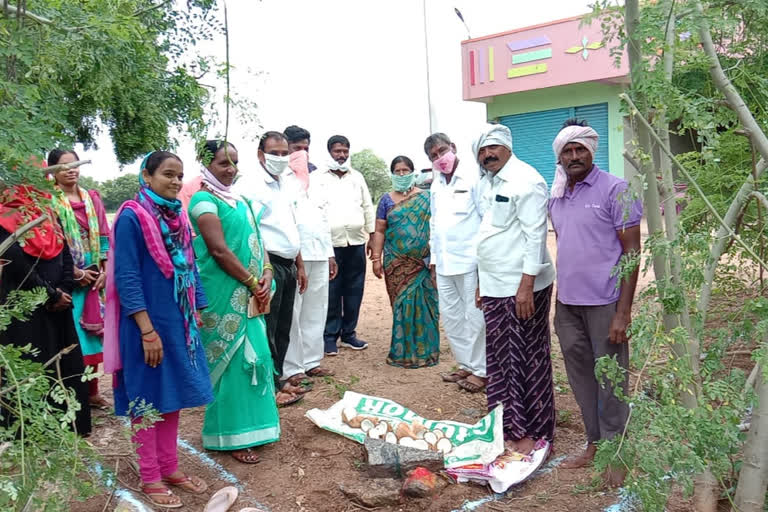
(519, 366)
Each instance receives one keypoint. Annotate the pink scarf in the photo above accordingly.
(299, 164)
(154, 240)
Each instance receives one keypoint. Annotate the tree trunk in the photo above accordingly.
(750, 491)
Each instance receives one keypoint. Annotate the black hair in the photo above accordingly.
(271, 135)
(295, 133)
(575, 122)
(209, 149)
(400, 159)
(434, 139)
(157, 158)
(338, 139)
(55, 155)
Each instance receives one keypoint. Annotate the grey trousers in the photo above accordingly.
(583, 333)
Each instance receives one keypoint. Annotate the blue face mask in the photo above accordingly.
(403, 183)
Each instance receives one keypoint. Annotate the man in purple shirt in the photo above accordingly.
(596, 222)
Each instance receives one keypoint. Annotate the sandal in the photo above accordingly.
(319, 371)
(152, 493)
(193, 484)
(293, 390)
(99, 402)
(468, 385)
(222, 500)
(290, 400)
(300, 380)
(455, 376)
(246, 456)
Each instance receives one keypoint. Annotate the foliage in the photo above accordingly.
(375, 172)
(115, 192)
(116, 63)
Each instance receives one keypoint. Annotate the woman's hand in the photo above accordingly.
(87, 277)
(63, 302)
(264, 287)
(378, 270)
(153, 349)
(100, 281)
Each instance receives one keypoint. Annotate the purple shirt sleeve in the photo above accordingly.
(626, 210)
(385, 204)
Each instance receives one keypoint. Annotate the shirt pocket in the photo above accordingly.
(502, 210)
(461, 202)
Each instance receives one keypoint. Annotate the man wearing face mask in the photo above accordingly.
(453, 244)
(344, 196)
(310, 310)
(515, 276)
(275, 187)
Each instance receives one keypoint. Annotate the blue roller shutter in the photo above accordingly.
(533, 133)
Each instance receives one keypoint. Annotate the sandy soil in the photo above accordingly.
(303, 471)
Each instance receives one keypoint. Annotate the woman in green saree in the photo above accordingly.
(235, 272)
(402, 238)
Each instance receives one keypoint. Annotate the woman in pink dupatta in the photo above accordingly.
(86, 229)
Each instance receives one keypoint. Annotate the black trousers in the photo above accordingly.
(345, 294)
(280, 314)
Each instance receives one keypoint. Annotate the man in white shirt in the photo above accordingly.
(305, 351)
(344, 196)
(516, 275)
(453, 229)
(274, 187)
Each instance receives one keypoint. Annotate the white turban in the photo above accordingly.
(584, 135)
(495, 134)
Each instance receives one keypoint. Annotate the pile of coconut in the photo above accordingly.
(414, 435)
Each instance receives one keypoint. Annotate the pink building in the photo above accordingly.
(533, 79)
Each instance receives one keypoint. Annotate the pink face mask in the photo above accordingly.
(445, 163)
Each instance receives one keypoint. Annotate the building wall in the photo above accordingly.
(570, 96)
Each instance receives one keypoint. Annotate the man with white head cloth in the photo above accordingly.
(515, 275)
(596, 222)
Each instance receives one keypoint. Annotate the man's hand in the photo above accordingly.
(478, 299)
(333, 268)
(369, 247)
(619, 325)
(378, 270)
(301, 279)
(524, 307)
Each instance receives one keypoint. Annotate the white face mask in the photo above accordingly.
(276, 165)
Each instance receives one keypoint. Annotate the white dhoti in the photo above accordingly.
(463, 322)
(310, 309)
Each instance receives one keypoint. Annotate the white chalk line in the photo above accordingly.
(544, 470)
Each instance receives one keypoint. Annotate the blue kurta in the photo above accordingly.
(175, 383)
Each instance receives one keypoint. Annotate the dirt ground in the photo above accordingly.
(303, 471)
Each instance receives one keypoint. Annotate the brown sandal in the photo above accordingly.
(193, 484)
(151, 492)
(471, 387)
(455, 376)
(300, 380)
(294, 390)
(319, 371)
(285, 402)
(246, 456)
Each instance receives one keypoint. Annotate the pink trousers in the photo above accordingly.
(156, 447)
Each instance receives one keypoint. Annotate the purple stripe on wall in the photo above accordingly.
(528, 43)
(482, 66)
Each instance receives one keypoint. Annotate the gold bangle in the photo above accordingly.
(250, 281)
(269, 267)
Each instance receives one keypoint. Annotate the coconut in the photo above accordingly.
(421, 444)
(430, 437)
(390, 437)
(402, 430)
(439, 433)
(366, 424)
(348, 414)
(356, 422)
(444, 445)
(406, 441)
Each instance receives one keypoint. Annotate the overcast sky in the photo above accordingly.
(358, 68)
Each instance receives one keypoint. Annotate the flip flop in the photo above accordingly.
(300, 381)
(455, 376)
(250, 457)
(466, 385)
(222, 500)
(291, 401)
(195, 487)
(320, 372)
(149, 492)
(294, 390)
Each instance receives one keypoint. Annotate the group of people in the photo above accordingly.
(230, 289)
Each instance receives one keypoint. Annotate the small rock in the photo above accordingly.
(381, 492)
(421, 483)
(388, 460)
(472, 413)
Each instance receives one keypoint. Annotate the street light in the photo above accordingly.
(426, 55)
(458, 13)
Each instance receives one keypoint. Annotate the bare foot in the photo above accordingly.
(581, 460)
(614, 477)
(99, 402)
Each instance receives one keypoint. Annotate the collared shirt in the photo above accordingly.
(314, 230)
(586, 220)
(279, 228)
(454, 223)
(513, 232)
(347, 204)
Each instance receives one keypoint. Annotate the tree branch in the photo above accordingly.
(17, 234)
(64, 167)
(11, 9)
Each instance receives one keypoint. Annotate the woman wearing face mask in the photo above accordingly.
(86, 229)
(400, 253)
(151, 338)
(235, 271)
